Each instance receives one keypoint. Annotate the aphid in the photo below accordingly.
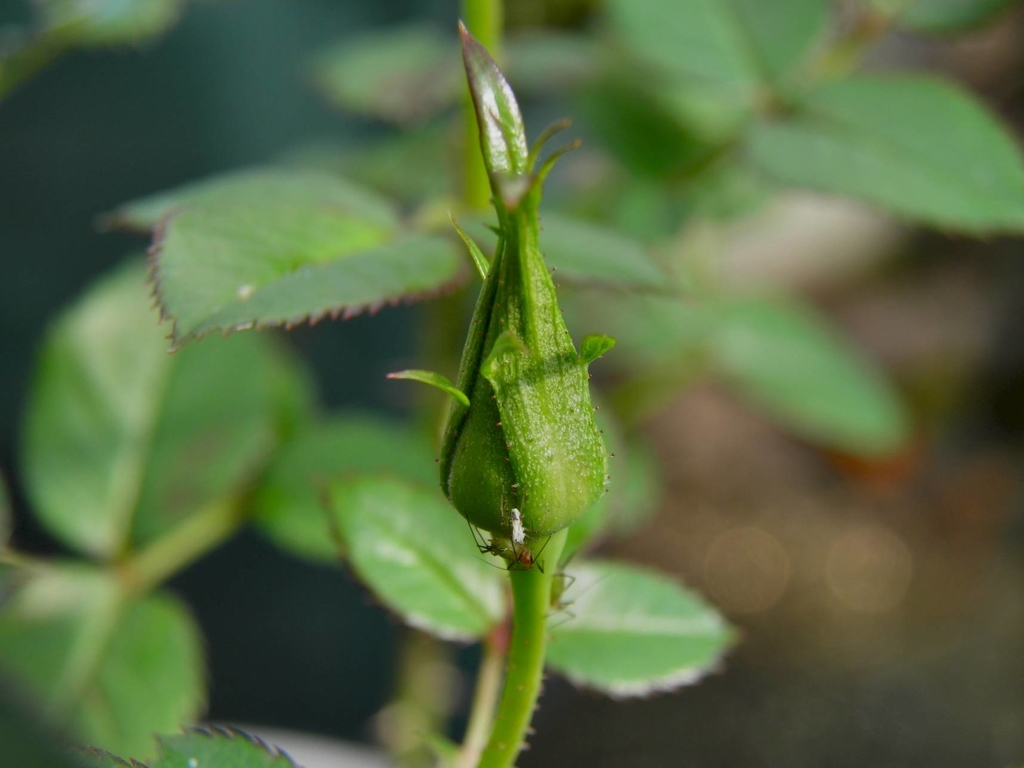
(512, 549)
(518, 531)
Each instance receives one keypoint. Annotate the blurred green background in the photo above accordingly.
(882, 602)
(287, 643)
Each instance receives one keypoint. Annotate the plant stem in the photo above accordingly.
(86, 653)
(195, 536)
(846, 53)
(422, 702)
(531, 601)
(484, 19)
(485, 698)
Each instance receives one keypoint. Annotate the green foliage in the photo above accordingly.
(912, 144)
(218, 426)
(289, 502)
(215, 747)
(416, 555)
(634, 492)
(289, 245)
(94, 408)
(944, 16)
(653, 142)
(100, 758)
(115, 670)
(29, 742)
(587, 253)
(404, 75)
(61, 25)
(139, 438)
(6, 517)
(218, 748)
(631, 632)
(780, 34)
(110, 22)
(778, 354)
(409, 74)
(327, 267)
(697, 40)
(702, 104)
(258, 188)
(785, 359)
(409, 167)
(713, 62)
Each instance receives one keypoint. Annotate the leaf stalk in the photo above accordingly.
(194, 537)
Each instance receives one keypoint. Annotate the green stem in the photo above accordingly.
(485, 698)
(195, 536)
(484, 19)
(531, 601)
(846, 53)
(422, 702)
(87, 652)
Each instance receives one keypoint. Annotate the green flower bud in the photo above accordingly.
(526, 450)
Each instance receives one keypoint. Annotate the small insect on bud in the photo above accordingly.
(518, 531)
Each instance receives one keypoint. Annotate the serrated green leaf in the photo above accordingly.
(632, 632)
(289, 503)
(218, 748)
(114, 671)
(99, 758)
(122, 440)
(228, 267)
(258, 187)
(915, 145)
(436, 380)
(417, 555)
(944, 16)
(96, 23)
